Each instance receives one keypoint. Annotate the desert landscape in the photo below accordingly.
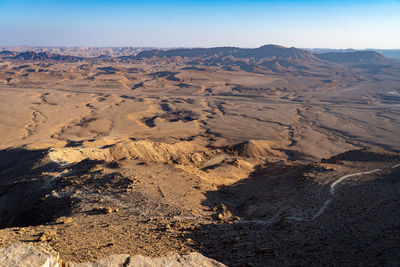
(251, 157)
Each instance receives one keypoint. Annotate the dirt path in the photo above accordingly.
(333, 186)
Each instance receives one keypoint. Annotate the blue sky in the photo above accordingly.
(179, 23)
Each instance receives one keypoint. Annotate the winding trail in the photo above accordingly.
(333, 187)
(338, 181)
(325, 205)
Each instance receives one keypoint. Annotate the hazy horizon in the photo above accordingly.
(190, 47)
(291, 23)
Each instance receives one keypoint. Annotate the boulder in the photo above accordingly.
(22, 255)
(118, 260)
(193, 259)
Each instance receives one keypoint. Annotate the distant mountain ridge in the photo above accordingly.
(266, 51)
(29, 55)
(266, 55)
(6, 53)
(264, 59)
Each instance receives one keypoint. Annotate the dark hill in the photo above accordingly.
(263, 52)
(353, 57)
(29, 55)
(6, 53)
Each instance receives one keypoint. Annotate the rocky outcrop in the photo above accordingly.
(21, 255)
(191, 260)
(256, 149)
(181, 152)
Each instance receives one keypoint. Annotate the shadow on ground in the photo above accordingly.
(360, 227)
(273, 189)
(25, 191)
(363, 155)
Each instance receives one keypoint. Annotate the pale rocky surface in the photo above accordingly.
(191, 260)
(23, 255)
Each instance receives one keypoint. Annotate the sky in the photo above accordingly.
(194, 23)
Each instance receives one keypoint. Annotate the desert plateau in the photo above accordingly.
(271, 156)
